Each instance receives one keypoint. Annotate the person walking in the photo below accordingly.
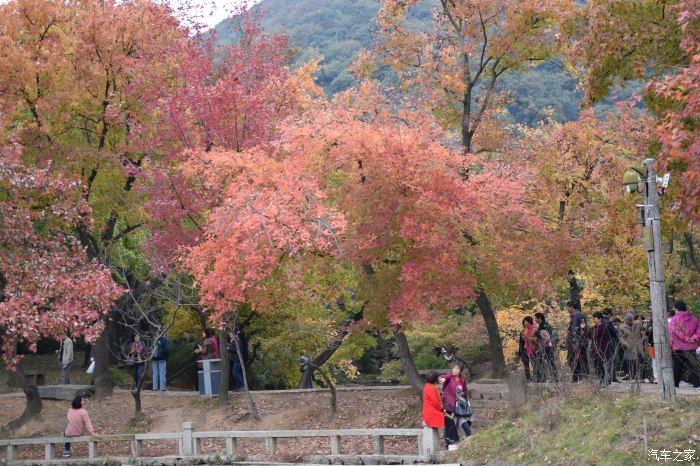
(601, 349)
(548, 340)
(684, 330)
(432, 412)
(450, 384)
(159, 364)
(65, 358)
(78, 422)
(576, 342)
(137, 357)
(630, 333)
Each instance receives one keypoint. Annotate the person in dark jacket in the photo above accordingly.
(611, 372)
(601, 348)
(546, 349)
(576, 342)
(159, 363)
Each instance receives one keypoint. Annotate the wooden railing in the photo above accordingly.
(189, 441)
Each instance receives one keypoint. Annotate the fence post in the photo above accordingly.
(230, 445)
(335, 445)
(431, 441)
(48, 451)
(187, 438)
(136, 448)
(10, 453)
(270, 444)
(378, 445)
(92, 449)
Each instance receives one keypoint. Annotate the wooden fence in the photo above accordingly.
(189, 443)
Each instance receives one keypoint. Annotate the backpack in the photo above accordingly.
(165, 348)
(462, 407)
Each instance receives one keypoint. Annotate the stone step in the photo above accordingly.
(490, 404)
(64, 392)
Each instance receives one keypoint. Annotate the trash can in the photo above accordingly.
(209, 376)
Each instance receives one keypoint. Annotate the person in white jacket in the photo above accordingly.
(65, 358)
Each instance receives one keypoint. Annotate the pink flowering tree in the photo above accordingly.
(48, 286)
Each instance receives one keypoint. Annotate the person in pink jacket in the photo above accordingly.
(451, 383)
(684, 330)
(78, 423)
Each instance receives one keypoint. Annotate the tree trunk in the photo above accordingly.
(136, 392)
(103, 384)
(137, 400)
(88, 355)
(225, 365)
(409, 368)
(498, 360)
(320, 360)
(331, 386)
(33, 404)
(691, 250)
(251, 403)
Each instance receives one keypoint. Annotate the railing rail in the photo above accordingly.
(189, 441)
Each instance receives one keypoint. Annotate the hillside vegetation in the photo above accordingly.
(337, 30)
(587, 429)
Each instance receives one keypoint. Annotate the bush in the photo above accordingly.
(392, 372)
(117, 376)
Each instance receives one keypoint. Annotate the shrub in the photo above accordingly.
(117, 376)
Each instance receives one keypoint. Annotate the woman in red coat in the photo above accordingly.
(433, 416)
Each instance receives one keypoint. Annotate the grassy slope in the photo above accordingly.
(587, 429)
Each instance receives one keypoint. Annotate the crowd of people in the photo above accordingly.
(610, 346)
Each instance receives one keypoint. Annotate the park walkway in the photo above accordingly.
(487, 391)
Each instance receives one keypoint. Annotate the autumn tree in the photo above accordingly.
(68, 85)
(455, 65)
(233, 97)
(357, 181)
(576, 191)
(655, 43)
(454, 68)
(234, 101)
(48, 285)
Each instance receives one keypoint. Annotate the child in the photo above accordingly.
(463, 412)
(78, 423)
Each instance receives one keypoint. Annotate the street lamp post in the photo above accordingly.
(655, 259)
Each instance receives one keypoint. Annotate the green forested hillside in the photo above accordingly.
(337, 29)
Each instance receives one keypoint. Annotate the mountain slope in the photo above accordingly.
(337, 29)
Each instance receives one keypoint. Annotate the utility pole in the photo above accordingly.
(657, 288)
